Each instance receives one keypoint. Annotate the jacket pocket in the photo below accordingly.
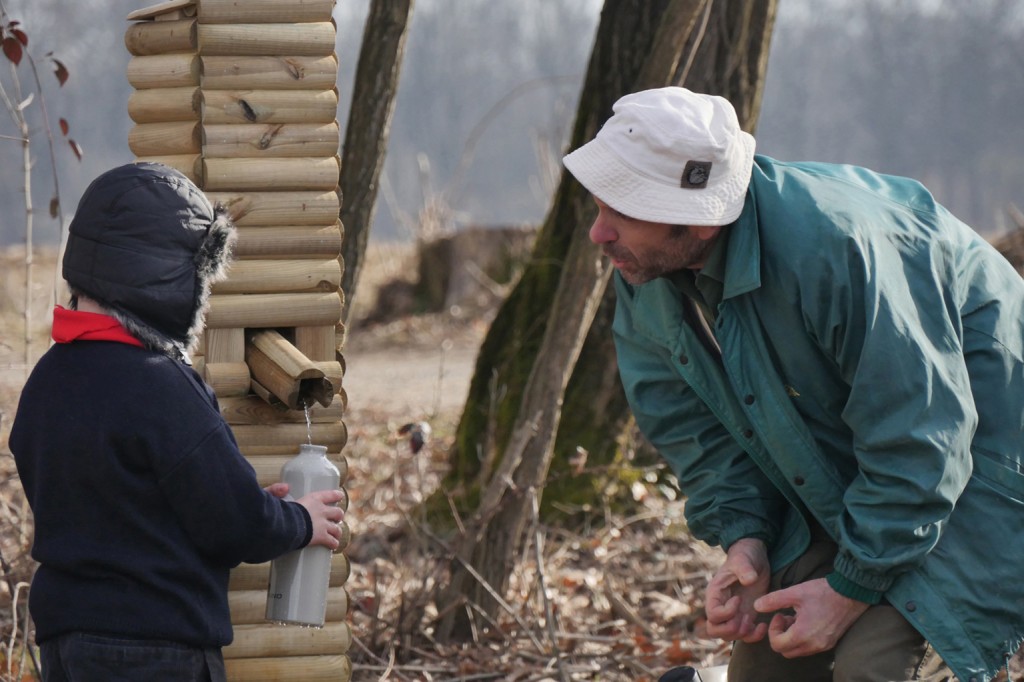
(1002, 473)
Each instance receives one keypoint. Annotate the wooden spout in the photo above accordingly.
(281, 371)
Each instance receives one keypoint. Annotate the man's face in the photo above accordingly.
(643, 250)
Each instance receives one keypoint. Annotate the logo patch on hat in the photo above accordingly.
(695, 175)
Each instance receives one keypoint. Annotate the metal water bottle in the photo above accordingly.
(299, 579)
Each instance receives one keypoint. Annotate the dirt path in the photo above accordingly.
(412, 369)
(409, 383)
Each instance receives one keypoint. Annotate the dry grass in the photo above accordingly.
(603, 623)
(575, 609)
(15, 517)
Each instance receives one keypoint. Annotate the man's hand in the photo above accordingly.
(733, 590)
(822, 616)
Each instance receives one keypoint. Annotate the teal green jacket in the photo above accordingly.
(870, 376)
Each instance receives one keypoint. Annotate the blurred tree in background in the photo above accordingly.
(921, 88)
(506, 439)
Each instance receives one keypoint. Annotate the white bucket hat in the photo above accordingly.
(669, 156)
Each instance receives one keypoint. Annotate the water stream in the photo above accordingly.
(309, 423)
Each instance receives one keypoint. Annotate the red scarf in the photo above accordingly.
(75, 325)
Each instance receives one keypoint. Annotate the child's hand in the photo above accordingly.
(326, 514)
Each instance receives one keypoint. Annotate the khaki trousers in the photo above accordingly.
(880, 647)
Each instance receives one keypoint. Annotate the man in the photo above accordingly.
(142, 501)
(833, 366)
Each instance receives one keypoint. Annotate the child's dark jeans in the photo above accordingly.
(87, 657)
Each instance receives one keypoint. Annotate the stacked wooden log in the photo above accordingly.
(241, 98)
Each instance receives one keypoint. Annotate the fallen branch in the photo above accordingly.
(486, 586)
(549, 616)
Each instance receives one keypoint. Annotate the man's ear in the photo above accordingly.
(704, 232)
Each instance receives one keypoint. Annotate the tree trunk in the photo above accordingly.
(507, 355)
(506, 439)
(366, 135)
(507, 435)
(733, 56)
(726, 56)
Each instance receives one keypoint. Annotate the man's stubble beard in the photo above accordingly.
(681, 251)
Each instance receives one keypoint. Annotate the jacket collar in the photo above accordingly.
(743, 258)
(663, 319)
(76, 325)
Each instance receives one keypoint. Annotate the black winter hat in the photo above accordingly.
(147, 244)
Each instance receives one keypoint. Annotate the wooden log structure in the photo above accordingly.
(227, 378)
(156, 105)
(269, 106)
(170, 10)
(334, 372)
(272, 140)
(263, 438)
(286, 372)
(257, 40)
(270, 640)
(293, 242)
(249, 607)
(266, 11)
(250, 409)
(264, 175)
(249, 577)
(280, 276)
(320, 344)
(165, 138)
(274, 385)
(161, 37)
(273, 310)
(164, 71)
(241, 97)
(270, 209)
(227, 345)
(314, 74)
(305, 668)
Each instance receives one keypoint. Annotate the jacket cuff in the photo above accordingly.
(852, 590)
(745, 527)
(847, 566)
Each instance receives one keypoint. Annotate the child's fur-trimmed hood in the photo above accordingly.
(147, 245)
